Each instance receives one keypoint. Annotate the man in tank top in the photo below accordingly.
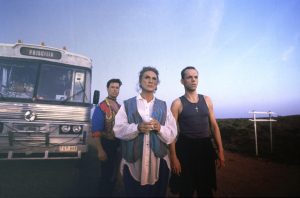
(192, 155)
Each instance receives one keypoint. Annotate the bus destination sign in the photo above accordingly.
(40, 53)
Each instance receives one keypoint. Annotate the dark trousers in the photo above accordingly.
(197, 158)
(133, 188)
(110, 167)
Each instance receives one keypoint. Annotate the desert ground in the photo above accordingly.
(255, 177)
(270, 174)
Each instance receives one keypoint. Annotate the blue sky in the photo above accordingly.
(246, 51)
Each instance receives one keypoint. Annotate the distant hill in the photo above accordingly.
(238, 136)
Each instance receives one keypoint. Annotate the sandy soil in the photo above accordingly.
(242, 177)
(254, 177)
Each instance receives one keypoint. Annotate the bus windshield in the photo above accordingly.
(17, 80)
(44, 82)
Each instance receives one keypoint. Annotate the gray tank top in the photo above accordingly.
(194, 119)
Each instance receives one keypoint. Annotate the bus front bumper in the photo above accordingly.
(56, 148)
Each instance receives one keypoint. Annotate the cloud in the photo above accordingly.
(287, 53)
(215, 12)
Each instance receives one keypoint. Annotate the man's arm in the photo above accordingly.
(176, 108)
(97, 127)
(122, 129)
(216, 131)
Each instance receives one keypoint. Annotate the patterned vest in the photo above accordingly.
(110, 111)
(132, 150)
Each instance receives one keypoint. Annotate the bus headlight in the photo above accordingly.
(65, 128)
(76, 128)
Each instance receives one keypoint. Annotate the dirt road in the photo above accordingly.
(242, 176)
(252, 177)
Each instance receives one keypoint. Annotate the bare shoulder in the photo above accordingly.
(176, 105)
(208, 101)
(207, 98)
(176, 102)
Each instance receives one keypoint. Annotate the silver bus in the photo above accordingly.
(45, 102)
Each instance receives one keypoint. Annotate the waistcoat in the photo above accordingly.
(110, 113)
(132, 150)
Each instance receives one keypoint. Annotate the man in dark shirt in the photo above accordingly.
(192, 155)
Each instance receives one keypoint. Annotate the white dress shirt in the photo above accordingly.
(145, 170)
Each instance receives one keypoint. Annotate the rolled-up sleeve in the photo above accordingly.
(168, 132)
(122, 129)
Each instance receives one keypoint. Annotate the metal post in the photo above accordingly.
(255, 134)
(270, 116)
(254, 120)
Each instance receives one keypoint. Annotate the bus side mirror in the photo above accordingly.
(96, 97)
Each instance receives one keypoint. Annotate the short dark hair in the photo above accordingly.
(113, 80)
(186, 68)
(148, 68)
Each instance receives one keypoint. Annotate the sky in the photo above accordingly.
(247, 52)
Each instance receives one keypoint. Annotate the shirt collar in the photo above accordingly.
(139, 97)
(114, 99)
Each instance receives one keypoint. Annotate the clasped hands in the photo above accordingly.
(146, 127)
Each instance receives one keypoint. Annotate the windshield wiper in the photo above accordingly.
(75, 94)
(69, 97)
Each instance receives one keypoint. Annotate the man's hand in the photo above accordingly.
(102, 155)
(146, 127)
(156, 125)
(221, 160)
(175, 165)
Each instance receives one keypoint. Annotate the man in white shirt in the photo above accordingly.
(146, 127)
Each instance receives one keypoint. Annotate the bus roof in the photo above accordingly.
(42, 52)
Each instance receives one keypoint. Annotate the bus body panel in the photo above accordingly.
(13, 51)
(43, 127)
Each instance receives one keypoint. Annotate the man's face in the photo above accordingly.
(113, 90)
(190, 80)
(149, 81)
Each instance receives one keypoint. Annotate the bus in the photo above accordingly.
(45, 102)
